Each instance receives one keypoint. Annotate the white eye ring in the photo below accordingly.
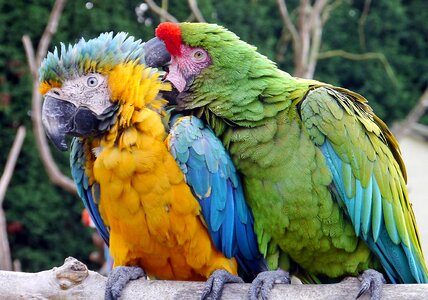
(92, 81)
(199, 55)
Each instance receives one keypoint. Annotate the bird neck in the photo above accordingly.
(247, 103)
(134, 87)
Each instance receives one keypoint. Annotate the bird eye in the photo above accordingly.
(199, 55)
(92, 81)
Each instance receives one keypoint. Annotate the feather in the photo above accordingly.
(213, 180)
(228, 226)
(367, 208)
(377, 210)
(89, 194)
(368, 181)
(388, 214)
(358, 203)
(106, 50)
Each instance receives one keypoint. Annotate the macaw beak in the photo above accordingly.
(61, 117)
(155, 53)
(157, 56)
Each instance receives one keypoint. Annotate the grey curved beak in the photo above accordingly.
(61, 118)
(56, 117)
(155, 53)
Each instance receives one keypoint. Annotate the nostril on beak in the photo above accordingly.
(56, 93)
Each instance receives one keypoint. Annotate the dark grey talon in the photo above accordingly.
(119, 278)
(263, 283)
(215, 284)
(371, 280)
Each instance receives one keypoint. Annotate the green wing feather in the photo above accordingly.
(369, 177)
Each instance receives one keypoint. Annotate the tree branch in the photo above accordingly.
(34, 61)
(5, 257)
(11, 161)
(301, 56)
(29, 52)
(317, 29)
(164, 6)
(405, 127)
(285, 16)
(193, 4)
(310, 29)
(282, 45)
(325, 15)
(74, 281)
(362, 23)
(50, 30)
(161, 12)
(317, 8)
(361, 56)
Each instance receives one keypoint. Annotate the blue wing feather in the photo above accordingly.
(395, 256)
(213, 180)
(367, 208)
(88, 194)
(358, 202)
(228, 226)
(377, 211)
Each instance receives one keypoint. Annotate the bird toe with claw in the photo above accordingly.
(264, 282)
(373, 281)
(118, 278)
(215, 284)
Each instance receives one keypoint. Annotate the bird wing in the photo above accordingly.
(214, 181)
(90, 194)
(369, 177)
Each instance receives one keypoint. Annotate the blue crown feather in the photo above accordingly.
(98, 54)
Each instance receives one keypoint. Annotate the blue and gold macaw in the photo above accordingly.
(171, 205)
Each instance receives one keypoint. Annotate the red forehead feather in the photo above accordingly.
(170, 33)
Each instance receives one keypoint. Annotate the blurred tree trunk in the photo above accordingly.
(5, 257)
(306, 36)
(405, 127)
(34, 62)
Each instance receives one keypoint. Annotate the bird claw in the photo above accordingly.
(371, 280)
(119, 278)
(263, 283)
(215, 284)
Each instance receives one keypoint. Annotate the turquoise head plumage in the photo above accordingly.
(95, 55)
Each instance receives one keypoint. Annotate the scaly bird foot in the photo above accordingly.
(263, 283)
(215, 284)
(119, 278)
(371, 280)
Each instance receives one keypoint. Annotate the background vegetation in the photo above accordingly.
(44, 223)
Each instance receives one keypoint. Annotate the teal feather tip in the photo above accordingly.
(98, 54)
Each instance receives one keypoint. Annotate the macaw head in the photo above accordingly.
(96, 85)
(204, 61)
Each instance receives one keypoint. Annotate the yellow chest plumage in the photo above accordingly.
(154, 219)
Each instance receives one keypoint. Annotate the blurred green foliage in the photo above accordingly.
(49, 226)
(45, 221)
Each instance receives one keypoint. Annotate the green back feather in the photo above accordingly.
(241, 86)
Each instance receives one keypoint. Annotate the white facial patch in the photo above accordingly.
(90, 91)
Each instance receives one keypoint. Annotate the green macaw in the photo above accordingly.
(322, 173)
